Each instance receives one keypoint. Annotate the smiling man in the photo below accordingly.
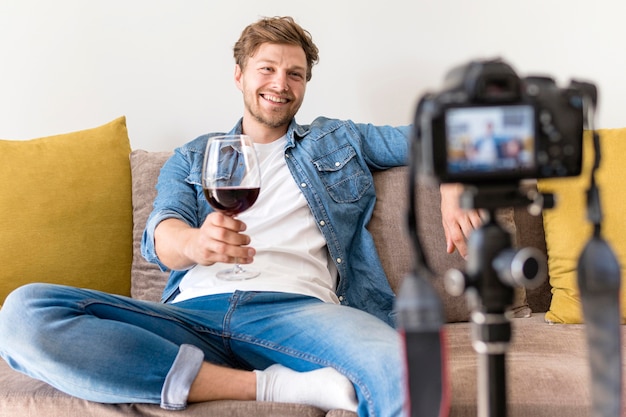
(314, 328)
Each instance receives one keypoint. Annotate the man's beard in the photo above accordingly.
(274, 119)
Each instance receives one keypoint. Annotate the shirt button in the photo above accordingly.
(341, 298)
(337, 164)
(339, 260)
(322, 223)
(303, 185)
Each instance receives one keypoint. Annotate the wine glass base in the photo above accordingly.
(237, 274)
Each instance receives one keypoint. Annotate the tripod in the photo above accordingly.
(492, 271)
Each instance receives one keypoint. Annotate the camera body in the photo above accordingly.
(489, 126)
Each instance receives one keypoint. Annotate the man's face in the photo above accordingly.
(273, 83)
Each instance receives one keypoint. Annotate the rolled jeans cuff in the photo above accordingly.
(180, 377)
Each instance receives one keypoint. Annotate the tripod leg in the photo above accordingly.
(491, 385)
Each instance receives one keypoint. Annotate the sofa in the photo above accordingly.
(546, 361)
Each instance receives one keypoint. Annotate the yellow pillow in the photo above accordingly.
(568, 230)
(65, 210)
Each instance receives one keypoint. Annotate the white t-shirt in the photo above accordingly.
(291, 252)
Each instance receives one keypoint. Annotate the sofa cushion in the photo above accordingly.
(567, 229)
(388, 225)
(547, 370)
(148, 280)
(21, 395)
(66, 210)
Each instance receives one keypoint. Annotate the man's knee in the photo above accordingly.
(26, 297)
(20, 313)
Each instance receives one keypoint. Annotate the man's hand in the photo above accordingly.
(458, 224)
(219, 239)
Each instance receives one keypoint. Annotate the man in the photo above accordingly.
(313, 328)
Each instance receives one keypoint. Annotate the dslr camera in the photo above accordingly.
(488, 126)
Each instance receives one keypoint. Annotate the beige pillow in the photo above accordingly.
(65, 210)
(389, 227)
(147, 279)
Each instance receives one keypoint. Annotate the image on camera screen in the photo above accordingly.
(490, 140)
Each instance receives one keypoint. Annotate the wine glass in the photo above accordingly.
(231, 180)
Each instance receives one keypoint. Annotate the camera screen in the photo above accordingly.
(488, 140)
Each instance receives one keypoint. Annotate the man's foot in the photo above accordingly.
(324, 388)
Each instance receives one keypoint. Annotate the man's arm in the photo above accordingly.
(219, 239)
(387, 146)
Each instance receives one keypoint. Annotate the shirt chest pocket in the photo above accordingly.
(342, 175)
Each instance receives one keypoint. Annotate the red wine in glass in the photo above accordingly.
(231, 200)
(231, 181)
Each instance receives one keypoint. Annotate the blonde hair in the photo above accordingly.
(278, 30)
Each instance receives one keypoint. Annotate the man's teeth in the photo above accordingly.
(275, 99)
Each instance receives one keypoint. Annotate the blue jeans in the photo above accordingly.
(114, 349)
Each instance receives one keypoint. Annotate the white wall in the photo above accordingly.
(167, 65)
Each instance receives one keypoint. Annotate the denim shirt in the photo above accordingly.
(332, 163)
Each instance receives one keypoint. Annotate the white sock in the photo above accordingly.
(324, 388)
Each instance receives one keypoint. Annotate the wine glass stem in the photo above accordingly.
(237, 268)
